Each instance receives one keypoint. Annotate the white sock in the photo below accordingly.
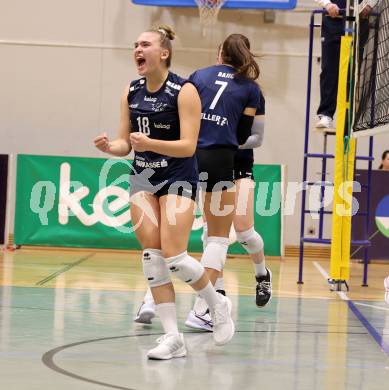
(219, 285)
(209, 294)
(200, 306)
(149, 296)
(260, 269)
(168, 316)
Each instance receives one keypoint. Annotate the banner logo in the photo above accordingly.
(382, 216)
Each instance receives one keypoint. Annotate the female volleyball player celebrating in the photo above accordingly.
(160, 119)
(232, 115)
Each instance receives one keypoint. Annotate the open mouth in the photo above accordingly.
(140, 61)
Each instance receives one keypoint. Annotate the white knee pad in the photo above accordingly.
(185, 267)
(155, 268)
(215, 253)
(250, 240)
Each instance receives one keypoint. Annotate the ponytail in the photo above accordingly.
(236, 52)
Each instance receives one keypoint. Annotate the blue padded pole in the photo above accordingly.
(306, 143)
(322, 189)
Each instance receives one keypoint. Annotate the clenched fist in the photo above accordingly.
(139, 142)
(102, 142)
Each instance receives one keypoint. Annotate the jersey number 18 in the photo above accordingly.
(143, 124)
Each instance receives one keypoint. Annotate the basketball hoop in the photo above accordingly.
(209, 9)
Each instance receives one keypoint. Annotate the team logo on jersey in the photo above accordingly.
(226, 75)
(152, 164)
(220, 120)
(150, 99)
(169, 91)
(165, 126)
(158, 107)
(174, 86)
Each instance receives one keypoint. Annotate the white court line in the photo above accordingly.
(325, 275)
(321, 270)
(378, 337)
(342, 294)
(373, 306)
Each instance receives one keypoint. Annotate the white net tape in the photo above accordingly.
(209, 9)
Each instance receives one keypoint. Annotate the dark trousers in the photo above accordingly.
(363, 38)
(330, 54)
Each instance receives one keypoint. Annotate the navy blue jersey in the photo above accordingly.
(248, 154)
(156, 115)
(224, 97)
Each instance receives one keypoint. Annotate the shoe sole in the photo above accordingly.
(219, 343)
(168, 357)
(329, 130)
(324, 127)
(265, 304)
(193, 325)
(145, 317)
(271, 279)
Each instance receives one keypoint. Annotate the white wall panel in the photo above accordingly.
(64, 65)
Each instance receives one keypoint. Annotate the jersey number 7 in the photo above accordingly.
(223, 86)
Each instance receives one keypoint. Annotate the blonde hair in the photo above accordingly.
(166, 35)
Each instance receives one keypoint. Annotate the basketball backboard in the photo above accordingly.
(243, 4)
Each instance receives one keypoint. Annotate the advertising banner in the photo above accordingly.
(3, 194)
(84, 202)
(379, 215)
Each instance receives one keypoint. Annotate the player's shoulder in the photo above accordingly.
(253, 86)
(210, 70)
(204, 76)
(261, 95)
(136, 85)
(175, 82)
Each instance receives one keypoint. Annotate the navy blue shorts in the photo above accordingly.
(179, 188)
(243, 169)
(218, 166)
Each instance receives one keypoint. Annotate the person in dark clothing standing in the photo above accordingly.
(333, 25)
(331, 31)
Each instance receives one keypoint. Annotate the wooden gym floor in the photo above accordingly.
(66, 322)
